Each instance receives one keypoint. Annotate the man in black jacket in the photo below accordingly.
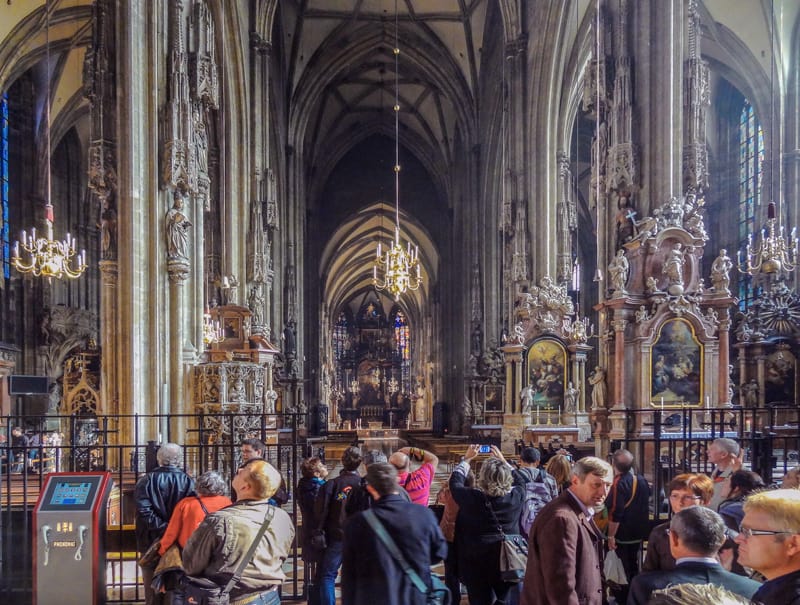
(628, 505)
(156, 495)
(695, 535)
(330, 511)
(369, 572)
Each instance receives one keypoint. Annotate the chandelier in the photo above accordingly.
(45, 256)
(773, 252)
(399, 267)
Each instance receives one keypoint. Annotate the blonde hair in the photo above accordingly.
(781, 505)
(264, 478)
(495, 478)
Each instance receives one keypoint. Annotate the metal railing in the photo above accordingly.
(669, 442)
(119, 444)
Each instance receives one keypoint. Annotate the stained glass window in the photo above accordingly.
(340, 337)
(751, 161)
(5, 245)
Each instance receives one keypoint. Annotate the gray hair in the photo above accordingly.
(701, 530)
(375, 457)
(495, 478)
(169, 454)
(210, 483)
(592, 466)
(729, 445)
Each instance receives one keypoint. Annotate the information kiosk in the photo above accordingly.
(68, 550)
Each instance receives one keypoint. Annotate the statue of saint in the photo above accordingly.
(619, 271)
(177, 228)
(720, 272)
(526, 399)
(673, 266)
(750, 390)
(571, 398)
(598, 381)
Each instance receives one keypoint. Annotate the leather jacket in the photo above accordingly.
(156, 495)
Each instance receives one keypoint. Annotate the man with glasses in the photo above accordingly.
(769, 542)
(696, 534)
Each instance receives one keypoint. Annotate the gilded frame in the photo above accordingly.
(676, 366)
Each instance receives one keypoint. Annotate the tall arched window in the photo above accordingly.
(340, 337)
(751, 160)
(5, 247)
(402, 349)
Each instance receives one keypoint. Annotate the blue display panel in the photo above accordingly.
(70, 493)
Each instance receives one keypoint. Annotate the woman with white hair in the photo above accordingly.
(190, 512)
(496, 500)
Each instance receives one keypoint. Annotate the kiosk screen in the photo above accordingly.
(70, 493)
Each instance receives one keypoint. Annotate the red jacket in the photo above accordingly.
(186, 518)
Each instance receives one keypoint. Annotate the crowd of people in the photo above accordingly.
(730, 539)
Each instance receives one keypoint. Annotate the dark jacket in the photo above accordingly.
(475, 523)
(690, 572)
(156, 495)
(629, 508)
(659, 556)
(329, 508)
(565, 557)
(308, 490)
(359, 499)
(369, 573)
(783, 589)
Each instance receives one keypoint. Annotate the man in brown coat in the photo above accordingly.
(566, 548)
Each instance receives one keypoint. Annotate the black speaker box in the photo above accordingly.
(28, 385)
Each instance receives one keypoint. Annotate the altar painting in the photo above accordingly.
(676, 366)
(780, 382)
(547, 373)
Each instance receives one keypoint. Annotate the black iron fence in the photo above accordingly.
(123, 445)
(667, 442)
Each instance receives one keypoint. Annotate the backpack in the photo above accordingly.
(537, 494)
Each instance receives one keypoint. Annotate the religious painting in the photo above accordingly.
(780, 376)
(676, 366)
(232, 328)
(547, 375)
(493, 397)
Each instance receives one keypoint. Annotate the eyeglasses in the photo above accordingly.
(683, 499)
(747, 532)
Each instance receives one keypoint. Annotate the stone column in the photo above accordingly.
(109, 397)
(618, 402)
(178, 270)
(724, 361)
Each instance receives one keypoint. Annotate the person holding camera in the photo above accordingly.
(497, 500)
(417, 482)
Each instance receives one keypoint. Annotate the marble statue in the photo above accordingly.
(720, 272)
(571, 398)
(619, 271)
(598, 381)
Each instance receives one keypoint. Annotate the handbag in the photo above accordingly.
(202, 591)
(438, 594)
(150, 557)
(513, 552)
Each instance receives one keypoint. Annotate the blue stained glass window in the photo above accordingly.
(751, 162)
(5, 245)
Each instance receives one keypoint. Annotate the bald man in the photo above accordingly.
(417, 482)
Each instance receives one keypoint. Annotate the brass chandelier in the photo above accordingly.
(399, 267)
(45, 256)
(773, 252)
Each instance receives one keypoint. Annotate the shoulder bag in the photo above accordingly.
(202, 591)
(438, 594)
(513, 552)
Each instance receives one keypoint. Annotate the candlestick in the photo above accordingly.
(662, 404)
(708, 401)
(537, 414)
